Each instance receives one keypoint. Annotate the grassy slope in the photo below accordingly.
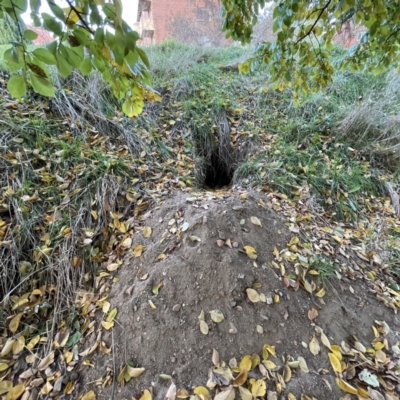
(70, 184)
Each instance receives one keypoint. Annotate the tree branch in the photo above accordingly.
(315, 22)
(85, 25)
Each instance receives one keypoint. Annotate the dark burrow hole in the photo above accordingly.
(218, 173)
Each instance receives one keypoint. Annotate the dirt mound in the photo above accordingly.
(194, 260)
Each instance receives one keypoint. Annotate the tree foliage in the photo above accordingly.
(305, 30)
(8, 30)
(90, 34)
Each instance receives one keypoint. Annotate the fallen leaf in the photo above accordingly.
(16, 392)
(303, 364)
(147, 231)
(251, 252)
(312, 314)
(146, 395)
(345, 386)
(245, 394)
(203, 327)
(215, 358)
(49, 359)
(255, 221)
(259, 329)
(194, 238)
(127, 243)
(202, 392)
(314, 346)
(5, 387)
(14, 323)
(241, 378)
(171, 392)
(89, 396)
(253, 296)
(335, 363)
(217, 316)
(246, 363)
(138, 250)
(258, 388)
(287, 373)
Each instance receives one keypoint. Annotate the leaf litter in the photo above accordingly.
(37, 361)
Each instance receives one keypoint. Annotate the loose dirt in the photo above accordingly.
(196, 268)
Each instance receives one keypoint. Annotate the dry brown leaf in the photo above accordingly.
(226, 394)
(312, 314)
(241, 378)
(138, 250)
(49, 359)
(215, 358)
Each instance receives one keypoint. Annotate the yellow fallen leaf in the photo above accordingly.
(152, 305)
(89, 396)
(287, 373)
(258, 388)
(138, 250)
(270, 349)
(146, 395)
(113, 267)
(147, 231)
(253, 296)
(303, 364)
(127, 243)
(16, 392)
(217, 316)
(335, 363)
(336, 351)
(202, 392)
(18, 345)
(321, 293)
(269, 364)
(345, 386)
(111, 315)
(5, 387)
(14, 323)
(107, 325)
(251, 252)
(245, 364)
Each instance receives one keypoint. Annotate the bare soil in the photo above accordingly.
(197, 275)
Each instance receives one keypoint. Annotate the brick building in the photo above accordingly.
(350, 34)
(156, 19)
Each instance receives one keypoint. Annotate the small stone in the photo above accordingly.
(176, 307)
(232, 303)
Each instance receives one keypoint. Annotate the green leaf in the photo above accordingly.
(63, 65)
(51, 24)
(45, 55)
(17, 86)
(56, 10)
(143, 56)
(86, 66)
(42, 85)
(30, 35)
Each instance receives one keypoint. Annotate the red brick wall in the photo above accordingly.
(163, 11)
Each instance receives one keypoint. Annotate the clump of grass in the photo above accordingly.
(324, 268)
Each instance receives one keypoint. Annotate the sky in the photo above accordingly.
(129, 10)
